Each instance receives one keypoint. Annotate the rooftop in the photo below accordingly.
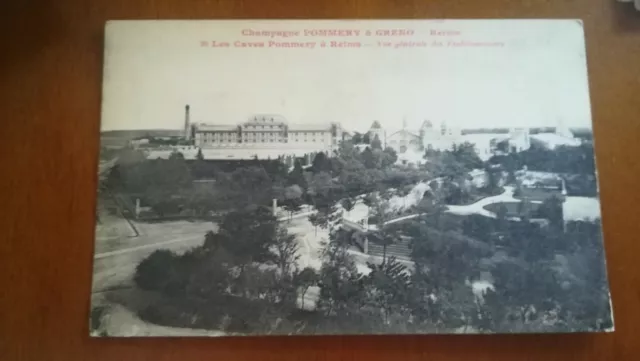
(216, 127)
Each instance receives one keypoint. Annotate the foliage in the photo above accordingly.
(160, 271)
(347, 204)
(247, 235)
(563, 159)
(551, 209)
(250, 259)
(466, 155)
(293, 198)
(321, 163)
(389, 286)
(247, 186)
(305, 279)
(285, 252)
(341, 286)
(297, 175)
(357, 138)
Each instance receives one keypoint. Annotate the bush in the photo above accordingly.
(160, 272)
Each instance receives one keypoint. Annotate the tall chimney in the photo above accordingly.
(187, 133)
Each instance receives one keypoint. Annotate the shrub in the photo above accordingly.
(160, 272)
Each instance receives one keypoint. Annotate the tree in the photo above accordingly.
(297, 175)
(167, 175)
(129, 156)
(391, 287)
(286, 252)
(341, 286)
(551, 209)
(210, 275)
(162, 183)
(478, 227)
(386, 235)
(355, 178)
(201, 169)
(347, 204)
(322, 189)
(370, 200)
(375, 143)
(321, 163)
(316, 219)
(356, 138)
(493, 180)
(390, 157)
(160, 271)
(444, 259)
(245, 186)
(292, 199)
(368, 158)
(248, 235)
(521, 295)
(501, 216)
(466, 154)
(366, 138)
(305, 279)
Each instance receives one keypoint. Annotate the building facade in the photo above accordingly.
(439, 138)
(265, 131)
(427, 136)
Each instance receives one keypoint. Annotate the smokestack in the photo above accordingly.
(187, 133)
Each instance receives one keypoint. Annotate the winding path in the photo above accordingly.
(478, 207)
(356, 221)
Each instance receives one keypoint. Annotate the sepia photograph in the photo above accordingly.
(320, 177)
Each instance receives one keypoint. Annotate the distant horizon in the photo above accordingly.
(347, 130)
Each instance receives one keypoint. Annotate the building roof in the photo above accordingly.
(403, 131)
(216, 127)
(309, 127)
(376, 125)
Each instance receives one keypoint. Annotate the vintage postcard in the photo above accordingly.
(299, 177)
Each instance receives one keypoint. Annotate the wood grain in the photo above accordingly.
(50, 64)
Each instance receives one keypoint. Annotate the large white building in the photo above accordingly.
(427, 136)
(265, 131)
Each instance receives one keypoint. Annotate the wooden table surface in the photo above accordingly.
(51, 61)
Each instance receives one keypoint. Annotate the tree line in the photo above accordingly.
(245, 278)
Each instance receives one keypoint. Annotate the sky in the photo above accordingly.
(526, 73)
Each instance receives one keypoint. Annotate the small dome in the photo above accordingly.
(376, 125)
